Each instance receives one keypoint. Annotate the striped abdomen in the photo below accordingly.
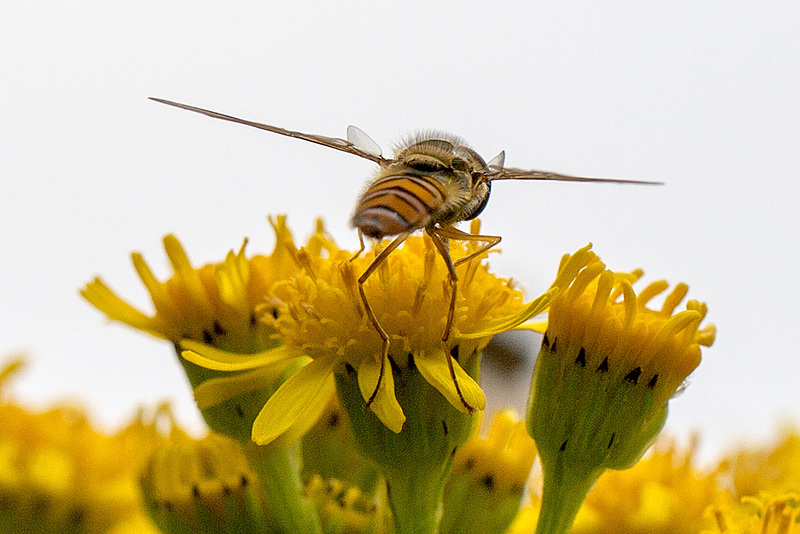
(397, 203)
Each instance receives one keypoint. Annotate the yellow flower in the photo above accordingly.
(203, 485)
(607, 367)
(625, 338)
(664, 493)
(345, 509)
(58, 474)
(483, 492)
(214, 304)
(774, 469)
(319, 314)
(759, 515)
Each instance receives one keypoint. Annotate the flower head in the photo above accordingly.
(203, 485)
(59, 474)
(213, 304)
(344, 509)
(758, 515)
(405, 410)
(607, 367)
(485, 487)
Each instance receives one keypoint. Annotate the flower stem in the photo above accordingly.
(415, 499)
(562, 496)
(416, 461)
(279, 472)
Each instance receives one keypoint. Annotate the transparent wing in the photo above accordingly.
(359, 139)
(522, 174)
(330, 142)
(497, 162)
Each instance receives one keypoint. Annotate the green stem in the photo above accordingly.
(562, 496)
(279, 472)
(415, 498)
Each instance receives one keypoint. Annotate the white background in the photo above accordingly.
(704, 96)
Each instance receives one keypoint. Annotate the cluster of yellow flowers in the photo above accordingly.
(60, 475)
(313, 429)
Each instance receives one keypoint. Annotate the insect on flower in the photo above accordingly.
(432, 182)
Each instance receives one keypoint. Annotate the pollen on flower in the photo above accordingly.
(320, 310)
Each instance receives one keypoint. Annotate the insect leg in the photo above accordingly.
(451, 271)
(361, 246)
(396, 242)
(489, 241)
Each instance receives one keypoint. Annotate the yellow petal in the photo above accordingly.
(510, 322)
(433, 367)
(384, 405)
(219, 360)
(539, 326)
(102, 298)
(218, 390)
(232, 277)
(314, 410)
(296, 399)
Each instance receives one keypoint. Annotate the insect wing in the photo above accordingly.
(360, 140)
(522, 174)
(498, 161)
(342, 145)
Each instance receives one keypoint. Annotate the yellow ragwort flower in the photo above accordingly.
(773, 469)
(58, 474)
(204, 485)
(320, 315)
(344, 509)
(607, 367)
(484, 489)
(758, 515)
(214, 304)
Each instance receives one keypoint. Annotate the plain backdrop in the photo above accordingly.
(704, 96)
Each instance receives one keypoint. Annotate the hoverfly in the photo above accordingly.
(431, 183)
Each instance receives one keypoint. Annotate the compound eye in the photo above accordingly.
(460, 165)
(425, 164)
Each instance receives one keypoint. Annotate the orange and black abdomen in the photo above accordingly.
(397, 203)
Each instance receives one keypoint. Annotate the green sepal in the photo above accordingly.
(234, 417)
(203, 486)
(474, 505)
(585, 419)
(416, 461)
(329, 450)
